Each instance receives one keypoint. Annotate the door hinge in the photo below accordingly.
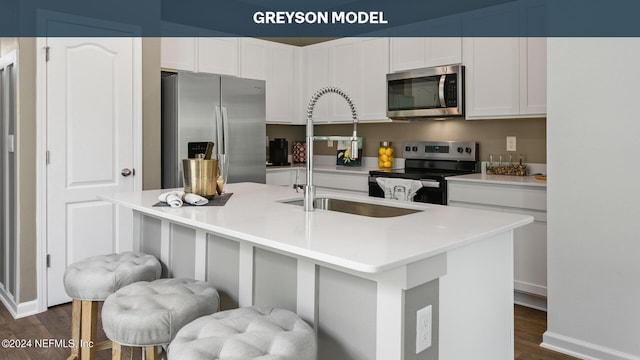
(46, 53)
(47, 158)
(48, 260)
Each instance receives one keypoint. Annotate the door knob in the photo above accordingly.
(126, 172)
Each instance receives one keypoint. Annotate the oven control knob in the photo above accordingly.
(407, 148)
(460, 150)
(415, 148)
(468, 150)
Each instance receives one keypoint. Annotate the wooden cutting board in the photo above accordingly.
(541, 177)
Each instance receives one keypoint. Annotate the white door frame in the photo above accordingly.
(41, 144)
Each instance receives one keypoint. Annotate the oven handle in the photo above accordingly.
(429, 183)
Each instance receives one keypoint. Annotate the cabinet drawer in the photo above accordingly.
(498, 195)
(351, 182)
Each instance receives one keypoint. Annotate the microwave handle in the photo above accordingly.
(443, 103)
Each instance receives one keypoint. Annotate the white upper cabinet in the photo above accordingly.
(316, 75)
(254, 62)
(205, 53)
(359, 67)
(218, 55)
(283, 86)
(533, 59)
(178, 53)
(505, 76)
(418, 52)
(346, 76)
(373, 69)
(278, 65)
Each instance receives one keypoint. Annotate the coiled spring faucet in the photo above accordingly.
(310, 190)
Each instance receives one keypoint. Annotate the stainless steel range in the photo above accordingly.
(429, 162)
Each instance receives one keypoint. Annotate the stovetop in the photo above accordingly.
(435, 160)
(417, 174)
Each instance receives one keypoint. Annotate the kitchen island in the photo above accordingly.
(359, 280)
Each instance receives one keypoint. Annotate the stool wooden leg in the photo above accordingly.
(76, 309)
(150, 353)
(116, 351)
(88, 332)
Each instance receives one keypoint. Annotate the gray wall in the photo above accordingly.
(593, 227)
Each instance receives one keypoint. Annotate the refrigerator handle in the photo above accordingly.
(219, 132)
(225, 131)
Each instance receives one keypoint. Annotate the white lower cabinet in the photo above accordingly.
(286, 176)
(344, 181)
(530, 241)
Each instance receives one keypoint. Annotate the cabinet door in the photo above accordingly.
(254, 58)
(374, 66)
(218, 55)
(533, 76)
(344, 68)
(408, 53)
(282, 94)
(444, 49)
(533, 59)
(530, 258)
(317, 76)
(178, 53)
(492, 72)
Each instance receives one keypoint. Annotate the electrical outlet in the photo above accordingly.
(511, 143)
(423, 329)
(329, 143)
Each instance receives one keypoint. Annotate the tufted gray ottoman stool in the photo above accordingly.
(246, 333)
(149, 314)
(90, 281)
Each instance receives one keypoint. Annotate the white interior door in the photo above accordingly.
(91, 115)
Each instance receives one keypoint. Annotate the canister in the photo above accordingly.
(385, 155)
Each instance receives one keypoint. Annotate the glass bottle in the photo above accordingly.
(385, 155)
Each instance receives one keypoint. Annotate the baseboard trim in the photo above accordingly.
(27, 308)
(19, 310)
(532, 301)
(581, 349)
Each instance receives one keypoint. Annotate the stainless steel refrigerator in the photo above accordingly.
(228, 111)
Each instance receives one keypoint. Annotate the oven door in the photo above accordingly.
(432, 191)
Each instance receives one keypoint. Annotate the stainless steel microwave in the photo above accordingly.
(426, 93)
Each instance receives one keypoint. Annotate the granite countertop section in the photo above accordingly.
(256, 214)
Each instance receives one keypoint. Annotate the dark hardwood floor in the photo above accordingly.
(55, 324)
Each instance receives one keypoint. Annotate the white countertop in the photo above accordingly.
(359, 170)
(500, 179)
(325, 163)
(254, 214)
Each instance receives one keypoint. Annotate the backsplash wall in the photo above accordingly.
(491, 134)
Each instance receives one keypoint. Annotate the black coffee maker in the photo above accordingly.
(278, 152)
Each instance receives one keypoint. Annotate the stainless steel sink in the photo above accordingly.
(355, 207)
